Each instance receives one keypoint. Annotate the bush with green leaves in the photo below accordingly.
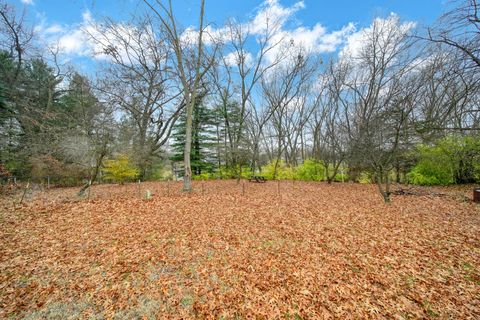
(203, 176)
(224, 172)
(450, 160)
(120, 170)
(365, 177)
(278, 170)
(341, 176)
(311, 170)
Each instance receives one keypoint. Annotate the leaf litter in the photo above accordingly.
(314, 251)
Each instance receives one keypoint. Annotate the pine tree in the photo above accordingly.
(203, 156)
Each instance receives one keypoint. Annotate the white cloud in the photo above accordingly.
(54, 29)
(232, 59)
(273, 17)
(70, 40)
(74, 42)
(315, 40)
(87, 16)
(271, 12)
(390, 30)
(310, 40)
(77, 40)
(27, 2)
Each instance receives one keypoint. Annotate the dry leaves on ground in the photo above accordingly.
(228, 251)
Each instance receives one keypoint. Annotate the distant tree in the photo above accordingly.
(139, 79)
(329, 121)
(287, 89)
(203, 155)
(120, 170)
(191, 61)
(460, 29)
(238, 76)
(90, 128)
(382, 91)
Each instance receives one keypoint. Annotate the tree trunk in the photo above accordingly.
(94, 175)
(187, 178)
(239, 176)
(336, 166)
(385, 192)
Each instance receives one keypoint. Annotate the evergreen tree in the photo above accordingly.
(203, 156)
(88, 124)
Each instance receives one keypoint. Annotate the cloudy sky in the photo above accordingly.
(321, 26)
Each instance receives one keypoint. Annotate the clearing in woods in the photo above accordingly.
(232, 251)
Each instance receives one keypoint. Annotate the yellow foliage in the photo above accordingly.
(120, 169)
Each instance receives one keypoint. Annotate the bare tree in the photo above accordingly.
(460, 29)
(380, 107)
(15, 36)
(287, 90)
(329, 121)
(448, 96)
(245, 71)
(140, 81)
(191, 63)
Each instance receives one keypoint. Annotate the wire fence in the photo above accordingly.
(28, 193)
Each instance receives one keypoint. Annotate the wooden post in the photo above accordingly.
(168, 187)
(243, 188)
(89, 187)
(48, 182)
(24, 192)
(139, 192)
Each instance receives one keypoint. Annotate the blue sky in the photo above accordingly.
(61, 21)
(330, 13)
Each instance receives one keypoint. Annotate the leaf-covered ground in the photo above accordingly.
(229, 251)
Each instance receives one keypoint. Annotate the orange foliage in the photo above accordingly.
(317, 251)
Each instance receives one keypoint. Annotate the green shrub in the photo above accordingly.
(120, 170)
(311, 170)
(365, 177)
(283, 172)
(224, 172)
(341, 177)
(160, 171)
(435, 166)
(203, 176)
(246, 172)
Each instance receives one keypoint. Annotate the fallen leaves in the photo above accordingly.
(321, 251)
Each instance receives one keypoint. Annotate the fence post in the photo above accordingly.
(89, 187)
(139, 192)
(24, 192)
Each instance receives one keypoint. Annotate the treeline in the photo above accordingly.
(398, 103)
